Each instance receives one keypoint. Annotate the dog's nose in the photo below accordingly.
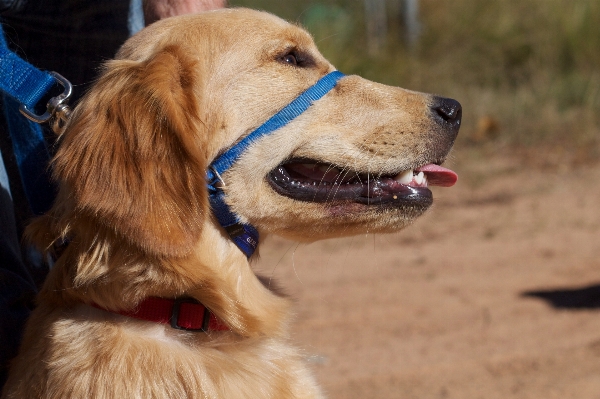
(447, 110)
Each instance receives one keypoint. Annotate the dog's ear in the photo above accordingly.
(134, 153)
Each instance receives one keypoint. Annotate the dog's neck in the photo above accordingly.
(217, 274)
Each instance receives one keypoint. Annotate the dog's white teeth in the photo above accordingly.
(404, 177)
(420, 178)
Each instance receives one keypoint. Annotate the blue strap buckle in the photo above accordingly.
(57, 108)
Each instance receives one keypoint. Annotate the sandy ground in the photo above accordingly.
(495, 293)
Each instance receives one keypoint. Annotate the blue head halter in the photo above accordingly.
(245, 236)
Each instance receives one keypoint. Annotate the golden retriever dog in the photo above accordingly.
(135, 231)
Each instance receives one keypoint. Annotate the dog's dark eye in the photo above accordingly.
(296, 58)
(290, 59)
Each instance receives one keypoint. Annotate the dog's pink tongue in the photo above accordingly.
(438, 176)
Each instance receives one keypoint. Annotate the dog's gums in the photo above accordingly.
(312, 181)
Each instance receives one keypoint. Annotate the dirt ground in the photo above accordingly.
(495, 293)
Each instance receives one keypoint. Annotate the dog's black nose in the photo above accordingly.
(447, 110)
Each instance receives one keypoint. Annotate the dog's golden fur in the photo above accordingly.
(133, 205)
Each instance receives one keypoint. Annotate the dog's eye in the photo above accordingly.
(297, 58)
(290, 59)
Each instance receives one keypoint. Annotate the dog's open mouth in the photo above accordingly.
(312, 181)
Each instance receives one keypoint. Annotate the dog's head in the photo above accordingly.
(135, 154)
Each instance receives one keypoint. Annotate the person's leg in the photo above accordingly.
(7, 212)
(16, 286)
(73, 38)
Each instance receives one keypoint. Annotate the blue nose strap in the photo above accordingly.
(245, 236)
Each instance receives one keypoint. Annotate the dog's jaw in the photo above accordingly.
(287, 183)
(303, 180)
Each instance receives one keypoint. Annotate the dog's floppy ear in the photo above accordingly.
(133, 155)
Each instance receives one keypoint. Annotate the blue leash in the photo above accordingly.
(21, 80)
(23, 86)
(245, 236)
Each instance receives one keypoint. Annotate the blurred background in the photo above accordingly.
(526, 71)
(495, 292)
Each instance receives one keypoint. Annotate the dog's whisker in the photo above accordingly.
(279, 262)
(345, 172)
(328, 37)
(294, 263)
(331, 194)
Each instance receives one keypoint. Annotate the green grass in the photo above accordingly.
(533, 66)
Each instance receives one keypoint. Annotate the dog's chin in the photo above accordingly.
(345, 189)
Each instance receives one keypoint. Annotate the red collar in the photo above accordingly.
(182, 314)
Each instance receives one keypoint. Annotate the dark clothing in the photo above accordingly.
(73, 38)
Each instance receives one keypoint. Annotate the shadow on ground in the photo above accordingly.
(575, 298)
